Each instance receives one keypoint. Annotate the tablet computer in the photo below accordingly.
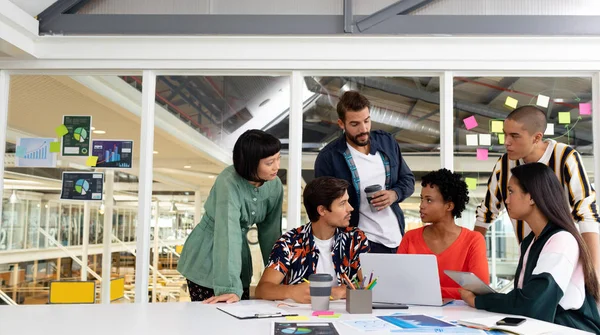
(470, 282)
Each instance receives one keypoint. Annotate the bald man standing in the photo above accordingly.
(524, 131)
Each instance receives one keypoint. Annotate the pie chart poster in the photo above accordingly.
(82, 186)
(77, 141)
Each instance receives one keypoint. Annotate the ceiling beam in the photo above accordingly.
(210, 24)
(401, 7)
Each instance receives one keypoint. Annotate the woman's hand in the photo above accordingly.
(227, 297)
(467, 296)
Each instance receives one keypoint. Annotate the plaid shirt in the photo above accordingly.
(295, 254)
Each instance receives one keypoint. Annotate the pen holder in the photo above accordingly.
(359, 301)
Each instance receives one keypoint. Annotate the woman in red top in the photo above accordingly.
(443, 197)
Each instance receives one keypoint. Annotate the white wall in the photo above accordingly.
(331, 7)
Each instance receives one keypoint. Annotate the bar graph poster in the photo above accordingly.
(113, 153)
(82, 186)
(34, 152)
(77, 141)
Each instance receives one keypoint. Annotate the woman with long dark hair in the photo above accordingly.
(216, 259)
(555, 279)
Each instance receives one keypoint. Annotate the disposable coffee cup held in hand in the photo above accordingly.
(320, 291)
(370, 192)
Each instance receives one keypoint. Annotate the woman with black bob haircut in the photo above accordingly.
(555, 279)
(216, 259)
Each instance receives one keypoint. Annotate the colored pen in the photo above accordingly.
(373, 285)
(371, 278)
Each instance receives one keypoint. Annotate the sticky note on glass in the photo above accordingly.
(564, 117)
(470, 122)
(54, 146)
(471, 183)
(297, 318)
(485, 139)
(500, 138)
(549, 129)
(482, 154)
(584, 109)
(91, 161)
(20, 151)
(543, 101)
(497, 126)
(511, 102)
(472, 140)
(61, 130)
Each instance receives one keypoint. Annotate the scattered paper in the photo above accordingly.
(482, 154)
(511, 102)
(543, 101)
(497, 126)
(472, 140)
(485, 139)
(91, 161)
(370, 325)
(54, 146)
(584, 109)
(549, 129)
(297, 318)
(500, 138)
(61, 130)
(564, 117)
(471, 183)
(470, 122)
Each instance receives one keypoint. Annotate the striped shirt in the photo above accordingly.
(568, 167)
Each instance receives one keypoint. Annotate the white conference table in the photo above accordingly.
(188, 319)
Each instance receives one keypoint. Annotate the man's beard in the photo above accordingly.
(354, 139)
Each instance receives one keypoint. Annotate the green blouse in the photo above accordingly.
(216, 254)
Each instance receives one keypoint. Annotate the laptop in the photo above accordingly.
(404, 279)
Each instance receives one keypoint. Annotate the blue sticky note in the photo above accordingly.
(20, 152)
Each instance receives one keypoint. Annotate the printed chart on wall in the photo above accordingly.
(82, 186)
(113, 153)
(35, 152)
(76, 142)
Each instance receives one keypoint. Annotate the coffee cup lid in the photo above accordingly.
(320, 277)
(373, 188)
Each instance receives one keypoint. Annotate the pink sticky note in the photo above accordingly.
(585, 108)
(470, 122)
(318, 313)
(482, 154)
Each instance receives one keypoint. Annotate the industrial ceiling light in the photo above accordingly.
(101, 209)
(173, 208)
(13, 197)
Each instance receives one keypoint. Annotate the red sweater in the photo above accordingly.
(467, 253)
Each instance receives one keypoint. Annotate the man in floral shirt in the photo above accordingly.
(325, 245)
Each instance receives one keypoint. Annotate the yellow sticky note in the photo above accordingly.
(511, 102)
(564, 117)
(61, 130)
(91, 161)
(297, 318)
(333, 316)
(471, 183)
(54, 146)
(497, 126)
(500, 138)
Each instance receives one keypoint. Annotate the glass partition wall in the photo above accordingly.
(198, 117)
